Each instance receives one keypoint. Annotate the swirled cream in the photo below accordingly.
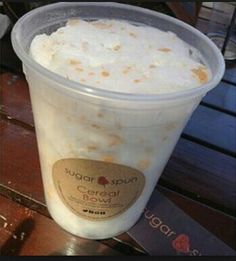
(119, 56)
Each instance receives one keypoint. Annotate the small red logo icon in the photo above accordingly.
(102, 181)
(181, 243)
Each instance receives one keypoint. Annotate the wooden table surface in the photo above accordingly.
(200, 177)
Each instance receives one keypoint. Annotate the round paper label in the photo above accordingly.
(97, 190)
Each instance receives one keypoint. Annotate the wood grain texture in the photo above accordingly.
(223, 97)
(24, 232)
(15, 98)
(19, 162)
(206, 175)
(230, 73)
(219, 16)
(203, 25)
(213, 127)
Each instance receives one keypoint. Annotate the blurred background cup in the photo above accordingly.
(222, 28)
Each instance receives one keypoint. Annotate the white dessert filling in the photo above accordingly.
(118, 56)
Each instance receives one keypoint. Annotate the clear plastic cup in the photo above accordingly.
(102, 152)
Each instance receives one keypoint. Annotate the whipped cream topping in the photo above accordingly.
(118, 56)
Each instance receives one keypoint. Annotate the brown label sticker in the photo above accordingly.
(97, 190)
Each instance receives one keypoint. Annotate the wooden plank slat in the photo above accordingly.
(207, 4)
(203, 25)
(206, 174)
(214, 127)
(223, 96)
(230, 73)
(15, 98)
(19, 162)
(206, 13)
(24, 232)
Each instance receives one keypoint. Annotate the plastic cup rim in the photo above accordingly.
(76, 87)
